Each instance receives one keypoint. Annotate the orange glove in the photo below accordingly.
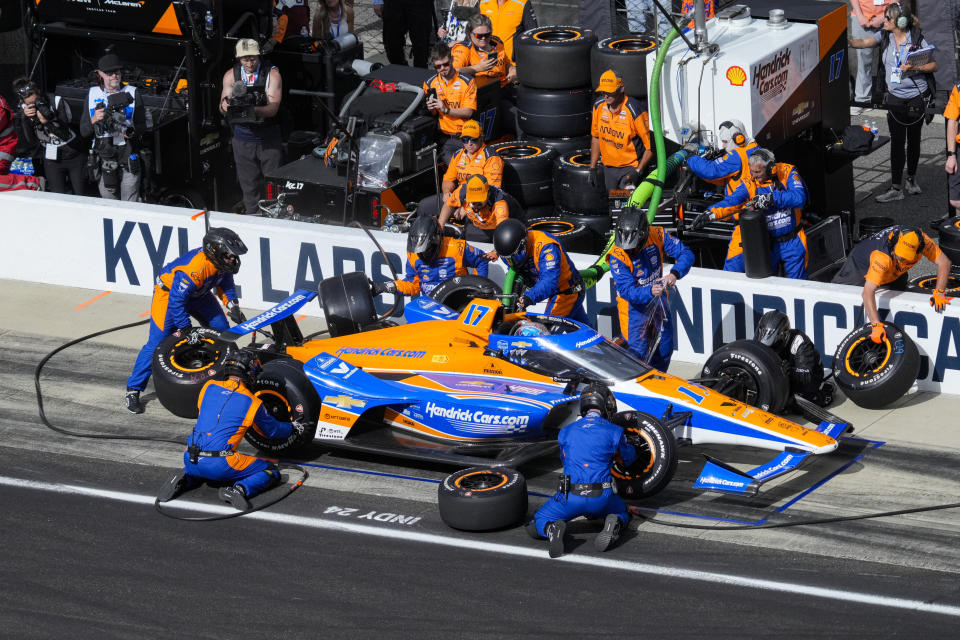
(939, 300)
(879, 334)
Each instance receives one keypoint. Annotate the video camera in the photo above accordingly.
(242, 104)
(115, 119)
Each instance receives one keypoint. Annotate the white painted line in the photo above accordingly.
(505, 549)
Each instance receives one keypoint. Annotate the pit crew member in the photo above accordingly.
(431, 259)
(621, 136)
(776, 189)
(482, 207)
(451, 97)
(731, 168)
(184, 288)
(545, 267)
(588, 446)
(951, 114)
(796, 350)
(883, 260)
(509, 18)
(636, 264)
(482, 54)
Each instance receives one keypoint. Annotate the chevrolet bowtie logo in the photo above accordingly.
(343, 402)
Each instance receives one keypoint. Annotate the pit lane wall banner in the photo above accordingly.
(107, 245)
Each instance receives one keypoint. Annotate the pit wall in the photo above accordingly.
(107, 245)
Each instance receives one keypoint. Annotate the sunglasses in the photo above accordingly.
(482, 36)
(466, 140)
(476, 206)
(441, 65)
(115, 72)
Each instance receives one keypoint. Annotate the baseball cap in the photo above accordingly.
(109, 62)
(247, 47)
(476, 189)
(471, 129)
(609, 82)
(908, 245)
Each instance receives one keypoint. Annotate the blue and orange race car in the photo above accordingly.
(464, 387)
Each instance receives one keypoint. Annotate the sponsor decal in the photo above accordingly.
(344, 402)
(269, 314)
(783, 464)
(478, 416)
(770, 78)
(589, 341)
(736, 75)
(440, 359)
(383, 351)
(722, 482)
(493, 372)
(296, 186)
(332, 432)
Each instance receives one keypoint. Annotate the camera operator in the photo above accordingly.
(115, 117)
(44, 128)
(250, 100)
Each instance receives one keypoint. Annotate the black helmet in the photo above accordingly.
(510, 240)
(224, 247)
(773, 329)
(633, 228)
(242, 364)
(598, 396)
(424, 238)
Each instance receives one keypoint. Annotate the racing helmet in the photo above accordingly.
(773, 330)
(530, 329)
(242, 364)
(510, 240)
(633, 228)
(598, 396)
(224, 247)
(423, 238)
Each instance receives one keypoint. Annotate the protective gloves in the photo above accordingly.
(879, 334)
(939, 300)
(523, 302)
(297, 427)
(193, 336)
(596, 177)
(233, 310)
(692, 148)
(701, 221)
(387, 286)
(761, 202)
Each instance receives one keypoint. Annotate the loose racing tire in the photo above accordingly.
(347, 303)
(574, 236)
(750, 372)
(554, 57)
(180, 369)
(482, 498)
(599, 226)
(458, 291)
(572, 191)
(527, 171)
(554, 112)
(542, 211)
(926, 284)
(656, 460)
(627, 56)
(288, 395)
(949, 231)
(563, 145)
(874, 375)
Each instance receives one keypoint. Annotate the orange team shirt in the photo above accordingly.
(952, 112)
(458, 93)
(869, 9)
(465, 55)
(884, 269)
(508, 18)
(484, 162)
(488, 217)
(623, 134)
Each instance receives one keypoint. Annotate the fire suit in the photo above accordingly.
(588, 447)
(635, 272)
(729, 169)
(227, 410)
(552, 276)
(788, 241)
(452, 260)
(182, 289)
(8, 146)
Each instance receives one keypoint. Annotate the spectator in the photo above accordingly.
(454, 29)
(483, 55)
(621, 136)
(952, 114)
(866, 20)
(508, 18)
(291, 19)
(8, 146)
(331, 18)
(250, 100)
(401, 17)
(451, 97)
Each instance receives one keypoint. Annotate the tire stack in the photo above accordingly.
(627, 56)
(527, 175)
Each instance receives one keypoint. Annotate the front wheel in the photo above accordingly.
(458, 291)
(874, 375)
(656, 460)
(180, 369)
(287, 394)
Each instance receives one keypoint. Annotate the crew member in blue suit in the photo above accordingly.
(636, 264)
(227, 409)
(589, 447)
(185, 288)
(730, 169)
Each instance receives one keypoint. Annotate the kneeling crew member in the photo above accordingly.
(184, 288)
(731, 168)
(804, 365)
(589, 447)
(482, 207)
(883, 260)
(545, 268)
(636, 264)
(621, 136)
(431, 259)
(776, 189)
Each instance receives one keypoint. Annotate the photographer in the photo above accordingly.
(250, 100)
(115, 117)
(44, 128)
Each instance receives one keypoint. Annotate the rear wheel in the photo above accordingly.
(458, 291)
(180, 369)
(287, 394)
(749, 372)
(656, 459)
(874, 375)
(482, 498)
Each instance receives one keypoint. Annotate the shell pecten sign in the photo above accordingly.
(736, 75)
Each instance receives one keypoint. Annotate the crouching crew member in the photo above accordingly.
(431, 259)
(636, 264)
(775, 188)
(621, 136)
(545, 267)
(883, 260)
(451, 97)
(482, 207)
(796, 350)
(731, 168)
(589, 447)
(184, 288)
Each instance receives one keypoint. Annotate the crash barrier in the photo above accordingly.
(119, 246)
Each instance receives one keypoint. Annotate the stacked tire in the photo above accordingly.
(950, 241)
(627, 56)
(577, 201)
(527, 174)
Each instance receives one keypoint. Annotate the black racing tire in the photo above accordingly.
(926, 284)
(874, 375)
(542, 211)
(483, 498)
(627, 56)
(750, 372)
(458, 291)
(347, 303)
(554, 57)
(185, 197)
(574, 236)
(287, 394)
(572, 191)
(563, 145)
(949, 231)
(554, 112)
(656, 460)
(872, 224)
(527, 171)
(599, 227)
(180, 369)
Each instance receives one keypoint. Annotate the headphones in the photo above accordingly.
(766, 157)
(738, 138)
(903, 15)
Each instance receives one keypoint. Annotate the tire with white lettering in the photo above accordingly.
(456, 292)
(627, 56)
(656, 460)
(554, 57)
(572, 191)
(527, 171)
(347, 303)
(287, 395)
(750, 372)
(574, 236)
(180, 369)
(926, 284)
(874, 375)
(554, 112)
(483, 498)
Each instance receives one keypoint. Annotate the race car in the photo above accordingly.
(476, 387)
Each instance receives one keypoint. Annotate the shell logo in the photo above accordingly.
(737, 76)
